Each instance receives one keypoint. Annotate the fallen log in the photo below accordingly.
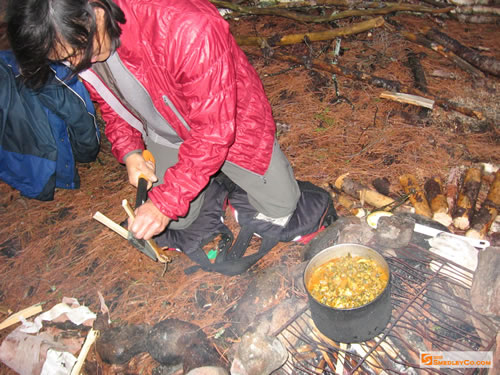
(261, 41)
(436, 198)
(481, 220)
(362, 192)
(458, 61)
(467, 197)
(415, 194)
(306, 18)
(485, 63)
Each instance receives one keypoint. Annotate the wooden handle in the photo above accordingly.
(111, 224)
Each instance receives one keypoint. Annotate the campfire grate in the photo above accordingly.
(431, 312)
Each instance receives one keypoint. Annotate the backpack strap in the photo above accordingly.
(231, 260)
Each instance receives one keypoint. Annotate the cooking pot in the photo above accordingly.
(353, 324)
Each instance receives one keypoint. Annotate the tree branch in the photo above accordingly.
(386, 9)
(261, 41)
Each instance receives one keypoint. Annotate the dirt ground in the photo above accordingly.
(49, 250)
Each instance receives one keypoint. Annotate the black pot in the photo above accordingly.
(356, 324)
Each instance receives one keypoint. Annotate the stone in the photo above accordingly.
(258, 353)
(394, 231)
(485, 291)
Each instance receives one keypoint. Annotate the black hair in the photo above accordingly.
(36, 27)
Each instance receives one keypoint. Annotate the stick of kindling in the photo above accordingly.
(25, 313)
(91, 337)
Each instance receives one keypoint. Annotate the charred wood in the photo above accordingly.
(485, 63)
(433, 188)
(466, 202)
(460, 62)
(486, 215)
(416, 195)
(417, 71)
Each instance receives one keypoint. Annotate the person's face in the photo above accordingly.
(101, 45)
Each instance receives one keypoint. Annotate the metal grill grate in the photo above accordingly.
(431, 312)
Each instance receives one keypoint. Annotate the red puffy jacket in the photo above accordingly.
(184, 50)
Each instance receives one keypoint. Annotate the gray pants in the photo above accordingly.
(275, 194)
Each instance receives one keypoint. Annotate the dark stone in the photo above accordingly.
(117, 345)
(394, 231)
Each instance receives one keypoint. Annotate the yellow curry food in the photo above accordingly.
(347, 282)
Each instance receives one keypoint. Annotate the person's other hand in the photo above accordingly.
(148, 222)
(137, 165)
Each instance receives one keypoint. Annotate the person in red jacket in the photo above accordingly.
(168, 76)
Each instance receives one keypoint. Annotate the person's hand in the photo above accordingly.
(137, 165)
(148, 222)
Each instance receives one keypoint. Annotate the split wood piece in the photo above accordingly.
(436, 198)
(408, 98)
(301, 17)
(89, 341)
(361, 192)
(415, 194)
(460, 62)
(484, 218)
(25, 313)
(466, 202)
(485, 63)
(111, 224)
(284, 40)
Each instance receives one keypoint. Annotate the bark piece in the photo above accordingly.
(416, 195)
(486, 215)
(437, 201)
(362, 192)
(467, 197)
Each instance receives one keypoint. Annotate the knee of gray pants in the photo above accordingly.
(165, 157)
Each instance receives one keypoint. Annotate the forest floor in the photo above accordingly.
(327, 126)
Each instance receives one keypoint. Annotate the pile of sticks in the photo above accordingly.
(453, 203)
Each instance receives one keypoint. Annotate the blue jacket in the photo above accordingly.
(44, 132)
